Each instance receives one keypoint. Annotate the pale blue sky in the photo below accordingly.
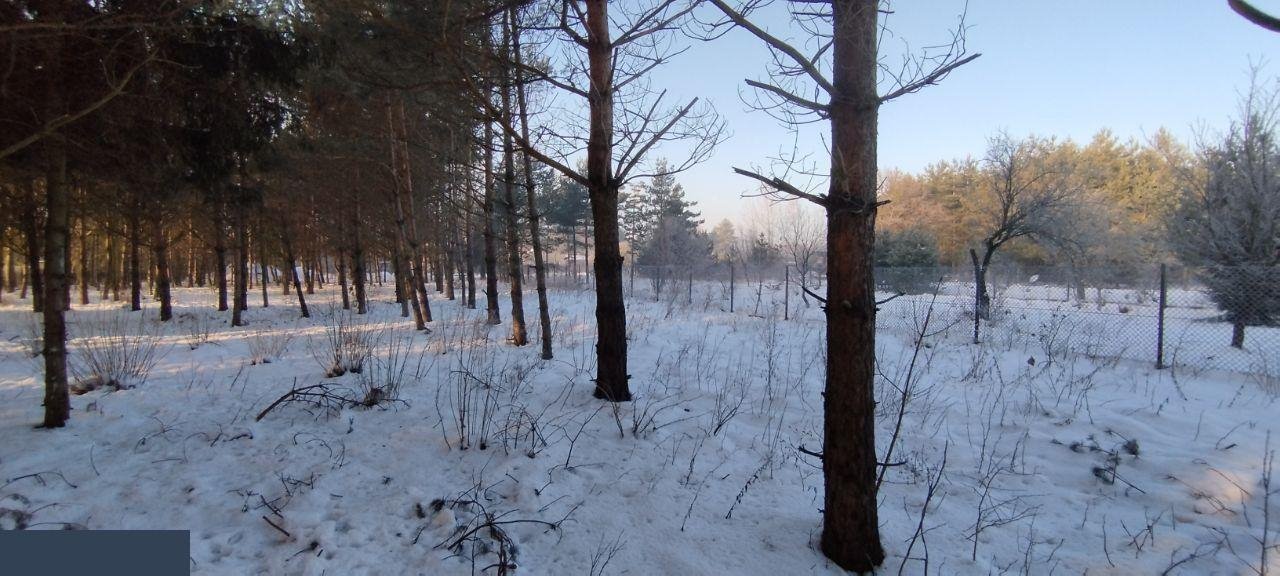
(1062, 68)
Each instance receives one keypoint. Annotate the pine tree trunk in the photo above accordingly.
(265, 282)
(31, 230)
(220, 255)
(611, 343)
(586, 251)
(12, 271)
(450, 267)
(397, 276)
(342, 279)
(611, 320)
(83, 278)
(191, 254)
(357, 264)
(240, 296)
(470, 261)
(519, 335)
(291, 272)
(135, 257)
(573, 252)
(160, 251)
(409, 264)
(57, 400)
(490, 246)
(851, 531)
(114, 263)
(4, 256)
(535, 234)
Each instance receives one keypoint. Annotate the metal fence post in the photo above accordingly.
(690, 286)
(1164, 299)
(786, 292)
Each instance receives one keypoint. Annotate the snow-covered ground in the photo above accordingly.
(1041, 459)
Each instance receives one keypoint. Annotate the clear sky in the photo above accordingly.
(1066, 68)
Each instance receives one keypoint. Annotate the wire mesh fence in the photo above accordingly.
(1224, 318)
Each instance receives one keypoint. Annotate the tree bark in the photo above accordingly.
(602, 188)
(192, 271)
(220, 254)
(4, 255)
(57, 400)
(519, 336)
(83, 278)
(410, 264)
(490, 247)
(535, 234)
(342, 279)
(357, 264)
(135, 257)
(850, 531)
(31, 229)
(11, 266)
(240, 297)
(291, 265)
(469, 258)
(262, 267)
(982, 294)
(112, 282)
(160, 251)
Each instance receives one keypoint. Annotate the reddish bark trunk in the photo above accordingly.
(611, 315)
(850, 531)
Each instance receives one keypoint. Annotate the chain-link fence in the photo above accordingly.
(1225, 318)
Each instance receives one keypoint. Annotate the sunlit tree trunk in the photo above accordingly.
(602, 187)
(519, 336)
(851, 528)
(535, 234)
(490, 243)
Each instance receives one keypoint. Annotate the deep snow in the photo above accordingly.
(1075, 463)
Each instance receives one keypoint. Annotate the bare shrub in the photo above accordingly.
(266, 347)
(473, 396)
(345, 346)
(31, 335)
(647, 407)
(197, 328)
(382, 377)
(729, 396)
(116, 352)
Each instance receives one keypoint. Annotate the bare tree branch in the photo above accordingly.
(1253, 14)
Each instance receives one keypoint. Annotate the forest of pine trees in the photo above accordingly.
(252, 149)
